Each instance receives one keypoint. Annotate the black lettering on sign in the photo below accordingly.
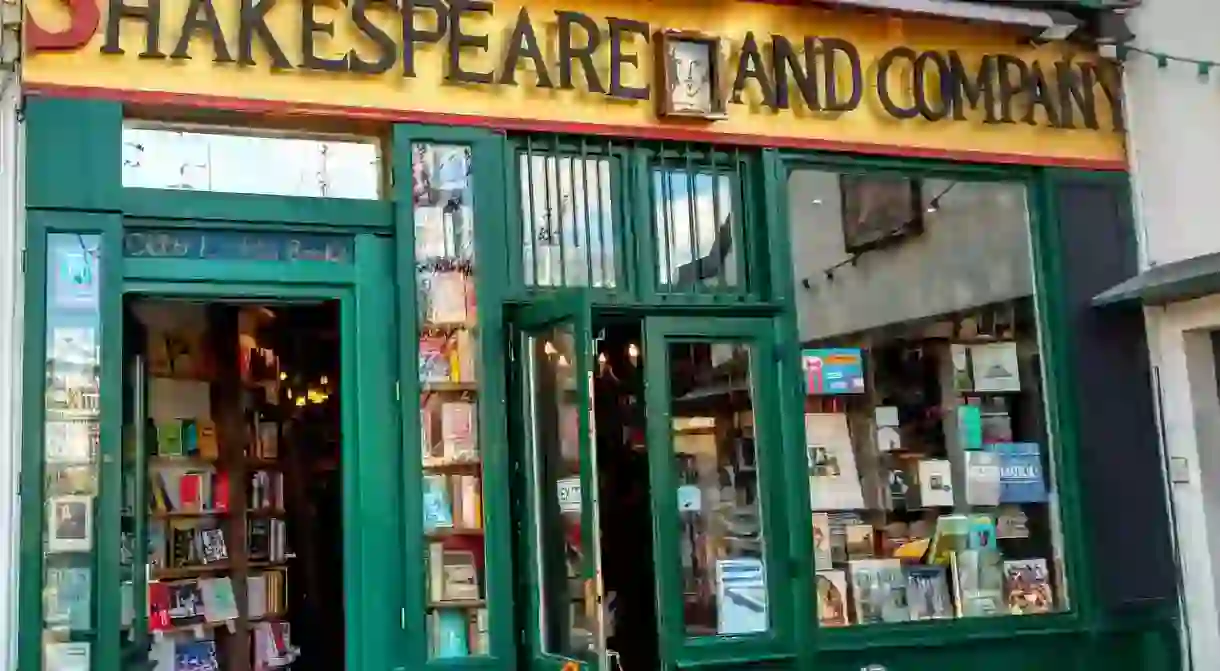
(1041, 95)
(210, 23)
(620, 29)
(1075, 92)
(965, 90)
(387, 50)
(149, 14)
(888, 60)
(413, 35)
(932, 77)
(254, 24)
(459, 40)
(523, 42)
(1010, 86)
(310, 27)
(784, 60)
(832, 48)
(569, 51)
(750, 65)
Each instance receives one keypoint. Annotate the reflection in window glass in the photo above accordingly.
(568, 222)
(568, 616)
(71, 445)
(721, 547)
(222, 160)
(930, 474)
(694, 229)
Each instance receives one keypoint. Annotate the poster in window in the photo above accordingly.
(74, 277)
(879, 210)
(833, 371)
(741, 596)
(70, 524)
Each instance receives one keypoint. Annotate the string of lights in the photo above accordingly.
(1202, 67)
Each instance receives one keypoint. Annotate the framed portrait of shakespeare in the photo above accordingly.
(688, 70)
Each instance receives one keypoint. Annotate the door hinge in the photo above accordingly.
(396, 390)
(402, 618)
(23, 261)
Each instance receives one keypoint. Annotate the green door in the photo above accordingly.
(717, 479)
(561, 540)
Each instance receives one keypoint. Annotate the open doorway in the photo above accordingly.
(624, 499)
(240, 481)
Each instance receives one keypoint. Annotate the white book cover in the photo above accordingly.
(67, 657)
(982, 478)
(219, 602)
(256, 596)
(834, 482)
(995, 367)
(458, 431)
(70, 523)
(935, 483)
(70, 441)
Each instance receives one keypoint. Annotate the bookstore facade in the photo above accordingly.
(536, 336)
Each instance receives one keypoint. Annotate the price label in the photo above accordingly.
(568, 492)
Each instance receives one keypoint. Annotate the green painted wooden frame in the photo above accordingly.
(488, 175)
(678, 650)
(1057, 389)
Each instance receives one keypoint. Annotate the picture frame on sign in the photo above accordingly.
(879, 210)
(688, 68)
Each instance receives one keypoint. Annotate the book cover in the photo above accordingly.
(480, 639)
(959, 355)
(185, 601)
(982, 533)
(821, 541)
(970, 427)
(190, 438)
(460, 576)
(67, 595)
(833, 371)
(994, 367)
(982, 478)
(71, 441)
(832, 598)
(450, 630)
(878, 591)
(980, 579)
(213, 547)
(434, 361)
(952, 536)
(219, 602)
(70, 523)
(935, 483)
(928, 593)
(1021, 475)
(169, 438)
(66, 657)
(205, 440)
(438, 510)
(458, 433)
(861, 542)
(191, 492)
(158, 606)
(834, 482)
(1027, 587)
(446, 298)
(195, 656)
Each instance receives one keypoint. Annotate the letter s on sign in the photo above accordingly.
(85, 18)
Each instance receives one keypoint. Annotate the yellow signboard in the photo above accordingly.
(747, 72)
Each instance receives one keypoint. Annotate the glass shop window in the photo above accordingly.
(247, 161)
(932, 487)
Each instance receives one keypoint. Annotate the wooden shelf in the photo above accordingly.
(444, 532)
(183, 628)
(448, 387)
(469, 603)
(266, 512)
(186, 514)
(453, 466)
(187, 572)
(182, 460)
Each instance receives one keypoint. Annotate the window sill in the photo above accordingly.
(941, 633)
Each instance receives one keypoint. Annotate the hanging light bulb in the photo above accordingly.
(324, 381)
(549, 348)
(601, 358)
(563, 361)
(633, 352)
(283, 376)
(300, 402)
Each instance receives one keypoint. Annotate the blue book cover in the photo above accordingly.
(438, 513)
(451, 628)
(1021, 476)
(195, 656)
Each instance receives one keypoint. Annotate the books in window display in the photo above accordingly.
(189, 490)
(67, 598)
(447, 297)
(273, 648)
(447, 357)
(980, 583)
(1027, 587)
(452, 501)
(1021, 476)
(879, 590)
(832, 598)
(453, 575)
(456, 633)
(267, 540)
(928, 593)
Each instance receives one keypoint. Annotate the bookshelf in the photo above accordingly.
(451, 458)
(213, 516)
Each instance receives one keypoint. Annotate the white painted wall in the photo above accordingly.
(12, 240)
(1173, 120)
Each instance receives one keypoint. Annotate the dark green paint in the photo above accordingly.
(73, 173)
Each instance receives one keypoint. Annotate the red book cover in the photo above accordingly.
(158, 606)
(220, 491)
(190, 491)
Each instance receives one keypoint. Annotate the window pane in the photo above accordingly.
(71, 444)
(695, 230)
(721, 549)
(448, 405)
(567, 221)
(226, 160)
(567, 615)
(931, 479)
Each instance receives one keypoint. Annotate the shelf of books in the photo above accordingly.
(71, 449)
(929, 474)
(211, 602)
(452, 464)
